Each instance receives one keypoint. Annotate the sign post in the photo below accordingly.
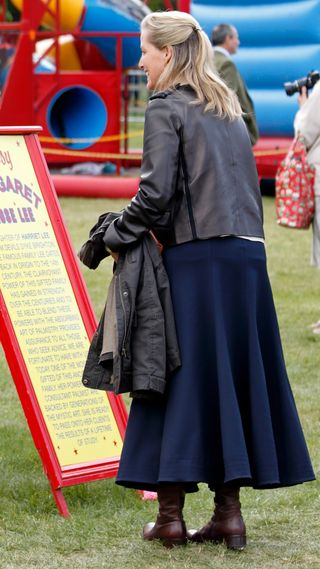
(46, 323)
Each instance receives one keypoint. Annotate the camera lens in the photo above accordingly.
(291, 88)
(295, 86)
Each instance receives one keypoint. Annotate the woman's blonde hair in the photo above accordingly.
(192, 60)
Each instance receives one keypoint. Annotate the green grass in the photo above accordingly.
(104, 528)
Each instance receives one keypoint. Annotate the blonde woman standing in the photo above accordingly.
(228, 417)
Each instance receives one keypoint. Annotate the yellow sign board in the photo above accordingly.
(48, 325)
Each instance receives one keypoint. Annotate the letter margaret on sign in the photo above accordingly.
(47, 323)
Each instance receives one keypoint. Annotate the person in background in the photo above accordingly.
(307, 124)
(225, 41)
(227, 417)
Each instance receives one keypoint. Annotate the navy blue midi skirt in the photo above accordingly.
(228, 414)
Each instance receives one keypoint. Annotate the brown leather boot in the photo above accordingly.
(169, 527)
(226, 524)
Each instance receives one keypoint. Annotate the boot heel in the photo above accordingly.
(235, 541)
(169, 543)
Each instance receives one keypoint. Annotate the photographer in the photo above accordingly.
(307, 123)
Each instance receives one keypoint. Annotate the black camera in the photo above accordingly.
(295, 86)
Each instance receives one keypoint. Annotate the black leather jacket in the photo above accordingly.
(198, 177)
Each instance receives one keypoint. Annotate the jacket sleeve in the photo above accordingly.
(307, 119)
(151, 205)
(228, 72)
(94, 250)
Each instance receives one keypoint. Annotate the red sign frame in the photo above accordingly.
(59, 476)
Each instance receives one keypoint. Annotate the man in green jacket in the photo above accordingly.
(225, 41)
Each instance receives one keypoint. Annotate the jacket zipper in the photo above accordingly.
(123, 349)
(187, 190)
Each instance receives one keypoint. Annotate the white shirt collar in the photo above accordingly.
(222, 50)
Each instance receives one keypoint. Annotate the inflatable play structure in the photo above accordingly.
(280, 42)
(62, 68)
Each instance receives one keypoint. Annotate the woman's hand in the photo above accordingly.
(303, 96)
(158, 244)
(115, 256)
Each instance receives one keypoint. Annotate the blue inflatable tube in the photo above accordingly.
(112, 16)
(270, 67)
(275, 111)
(262, 24)
(237, 3)
(280, 42)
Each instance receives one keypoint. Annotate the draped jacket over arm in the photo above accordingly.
(198, 177)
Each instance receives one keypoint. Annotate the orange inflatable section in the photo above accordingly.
(69, 58)
(70, 13)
